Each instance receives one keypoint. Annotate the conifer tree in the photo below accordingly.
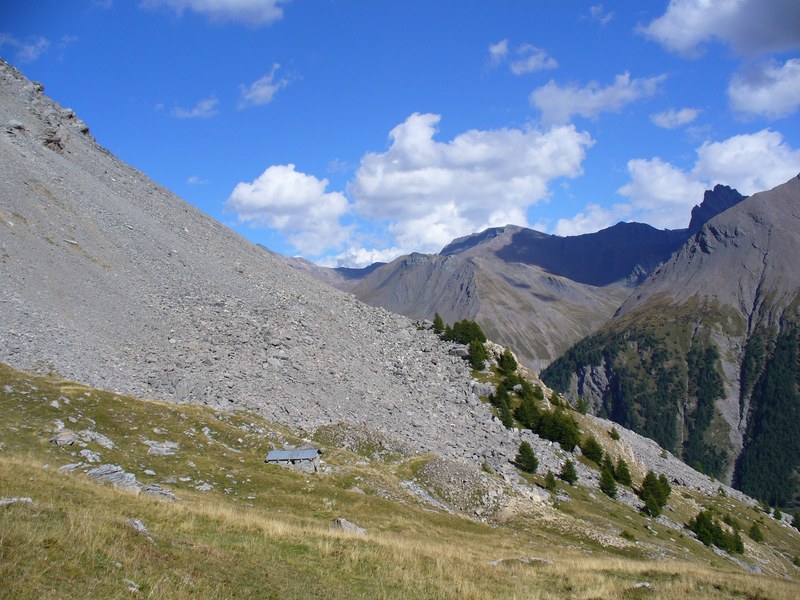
(592, 450)
(506, 417)
(607, 484)
(549, 481)
(507, 364)
(568, 473)
(526, 459)
(477, 355)
(622, 473)
(438, 324)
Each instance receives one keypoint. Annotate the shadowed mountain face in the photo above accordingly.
(535, 292)
(703, 357)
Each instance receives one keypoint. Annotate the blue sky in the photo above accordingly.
(352, 131)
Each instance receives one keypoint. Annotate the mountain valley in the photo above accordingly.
(140, 337)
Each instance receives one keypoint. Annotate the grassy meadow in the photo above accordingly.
(262, 531)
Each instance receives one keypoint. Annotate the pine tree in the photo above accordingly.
(506, 364)
(526, 459)
(755, 533)
(581, 407)
(654, 492)
(549, 481)
(592, 450)
(664, 490)
(477, 355)
(506, 418)
(527, 413)
(607, 484)
(622, 473)
(568, 473)
(438, 324)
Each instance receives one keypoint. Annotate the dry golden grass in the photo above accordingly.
(268, 535)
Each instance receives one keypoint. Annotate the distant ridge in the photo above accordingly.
(536, 292)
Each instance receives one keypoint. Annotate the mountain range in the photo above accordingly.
(534, 292)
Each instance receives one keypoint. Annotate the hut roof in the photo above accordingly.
(301, 454)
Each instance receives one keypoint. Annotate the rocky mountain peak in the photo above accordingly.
(715, 201)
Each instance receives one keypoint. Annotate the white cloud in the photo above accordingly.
(598, 13)
(663, 195)
(672, 119)
(750, 163)
(430, 192)
(530, 59)
(770, 90)
(359, 257)
(660, 194)
(250, 12)
(295, 204)
(196, 180)
(262, 90)
(204, 109)
(558, 104)
(749, 26)
(25, 51)
(525, 58)
(498, 52)
(593, 218)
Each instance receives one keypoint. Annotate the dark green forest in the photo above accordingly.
(668, 394)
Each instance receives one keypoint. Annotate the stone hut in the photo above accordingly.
(303, 459)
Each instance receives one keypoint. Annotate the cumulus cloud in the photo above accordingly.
(558, 104)
(25, 51)
(204, 109)
(592, 218)
(430, 192)
(672, 119)
(359, 257)
(749, 162)
(530, 58)
(525, 58)
(294, 203)
(748, 26)
(262, 90)
(598, 13)
(769, 90)
(498, 52)
(663, 195)
(660, 194)
(249, 12)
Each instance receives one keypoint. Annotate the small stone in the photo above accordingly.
(343, 524)
(64, 438)
(90, 456)
(7, 501)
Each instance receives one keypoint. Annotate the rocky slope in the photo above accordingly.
(704, 356)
